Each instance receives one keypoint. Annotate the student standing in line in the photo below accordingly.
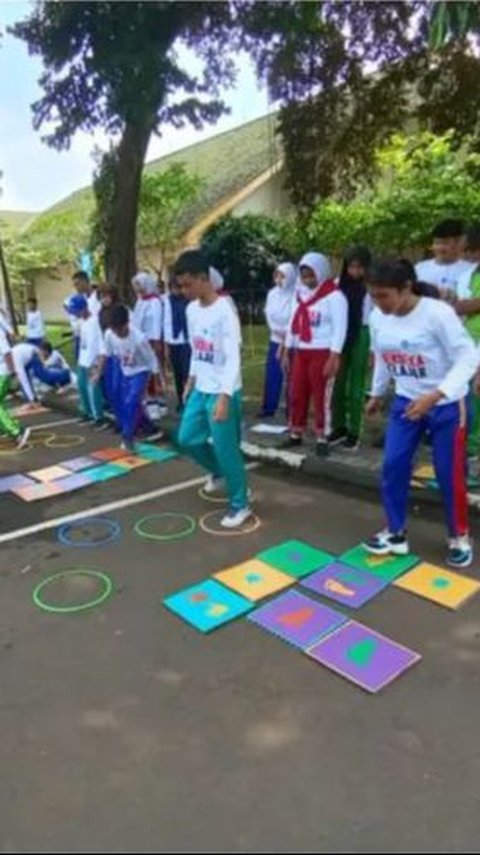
(278, 311)
(468, 307)
(447, 265)
(422, 346)
(210, 430)
(35, 325)
(91, 349)
(8, 424)
(111, 374)
(317, 331)
(148, 318)
(175, 334)
(350, 385)
(137, 363)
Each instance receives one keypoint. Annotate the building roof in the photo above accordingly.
(226, 163)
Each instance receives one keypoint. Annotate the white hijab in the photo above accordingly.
(290, 275)
(319, 264)
(146, 283)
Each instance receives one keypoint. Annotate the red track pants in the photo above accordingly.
(307, 382)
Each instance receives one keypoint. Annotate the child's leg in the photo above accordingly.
(339, 400)
(226, 444)
(322, 389)
(299, 392)
(96, 399)
(357, 381)
(194, 432)
(447, 425)
(273, 380)
(83, 391)
(177, 358)
(49, 376)
(401, 442)
(132, 392)
(8, 424)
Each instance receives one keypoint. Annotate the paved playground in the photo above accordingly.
(123, 729)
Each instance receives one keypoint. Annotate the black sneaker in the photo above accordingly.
(352, 443)
(85, 420)
(337, 436)
(292, 442)
(322, 448)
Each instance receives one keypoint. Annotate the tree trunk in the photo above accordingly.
(8, 290)
(120, 249)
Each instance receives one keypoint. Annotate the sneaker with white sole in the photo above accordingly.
(236, 518)
(385, 543)
(23, 438)
(460, 551)
(213, 484)
(129, 447)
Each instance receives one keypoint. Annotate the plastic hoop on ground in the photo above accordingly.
(39, 437)
(90, 604)
(60, 443)
(114, 531)
(189, 528)
(251, 524)
(14, 450)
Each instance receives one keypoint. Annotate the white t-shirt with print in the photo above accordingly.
(426, 350)
(148, 317)
(328, 322)
(215, 339)
(444, 276)
(91, 342)
(133, 351)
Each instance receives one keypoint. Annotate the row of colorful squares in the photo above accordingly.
(82, 471)
(354, 651)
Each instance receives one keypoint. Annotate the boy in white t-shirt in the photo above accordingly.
(447, 265)
(35, 325)
(210, 430)
(8, 424)
(91, 348)
(137, 362)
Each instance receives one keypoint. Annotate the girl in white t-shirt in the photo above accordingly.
(35, 325)
(421, 345)
(278, 311)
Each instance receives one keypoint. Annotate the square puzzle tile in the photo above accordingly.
(386, 567)
(295, 558)
(365, 657)
(73, 482)
(346, 585)
(153, 452)
(37, 491)
(441, 586)
(10, 482)
(105, 472)
(108, 454)
(49, 473)
(207, 606)
(297, 619)
(132, 461)
(254, 579)
(77, 464)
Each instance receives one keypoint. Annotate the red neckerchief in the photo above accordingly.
(301, 319)
(150, 296)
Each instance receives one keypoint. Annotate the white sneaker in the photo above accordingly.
(235, 519)
(385, 543)
(213, 485)
(23, 438)
(460, 551)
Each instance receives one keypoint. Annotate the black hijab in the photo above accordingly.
(354, 289)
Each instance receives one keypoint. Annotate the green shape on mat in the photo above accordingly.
(362, 653)
(105, 472)
(295, 558)
(440, 582)
(152, 452)
(387, 567)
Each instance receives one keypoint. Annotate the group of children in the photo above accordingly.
(420, 328)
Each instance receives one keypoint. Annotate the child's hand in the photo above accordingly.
(332, 365)
(372, 407)
(416, 410)
(221, 409)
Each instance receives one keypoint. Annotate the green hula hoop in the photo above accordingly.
(47, 607)
(139, 527)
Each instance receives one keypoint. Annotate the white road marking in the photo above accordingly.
(98, 510)
(54, 424)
